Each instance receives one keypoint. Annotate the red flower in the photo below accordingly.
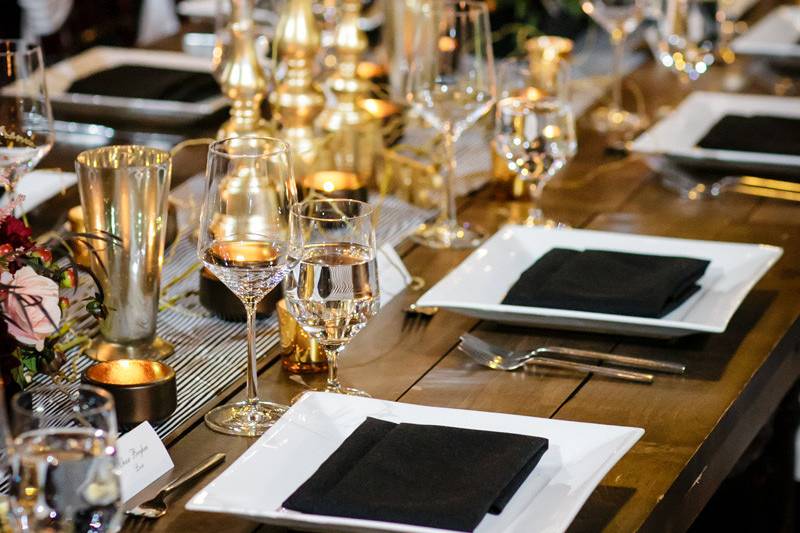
(14, 232)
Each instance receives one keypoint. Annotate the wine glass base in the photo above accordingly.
(617, 122)
(445, 235)
(244, 418)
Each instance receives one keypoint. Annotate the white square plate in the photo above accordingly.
(61, 75)
(773, 36)
(676, 136)
(255, 486)
(478, 285)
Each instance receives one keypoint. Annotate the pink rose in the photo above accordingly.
(26, 320)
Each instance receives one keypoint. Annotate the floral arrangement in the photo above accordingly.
(35, 293)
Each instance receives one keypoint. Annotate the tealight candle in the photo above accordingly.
(335, 184)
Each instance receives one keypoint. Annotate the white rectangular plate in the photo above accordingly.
(478, 285)
(61, 75)
(773, 36)
(676, 136)
(255, 486)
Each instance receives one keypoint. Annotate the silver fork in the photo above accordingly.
(492, 361)
(514, 359)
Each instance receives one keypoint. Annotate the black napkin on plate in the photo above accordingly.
(154, 83)
(600, 281)
(758, 133)
(433, 476)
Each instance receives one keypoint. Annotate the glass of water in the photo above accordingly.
(63, 460)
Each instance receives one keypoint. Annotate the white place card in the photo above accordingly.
(142, 459)
(392, 273)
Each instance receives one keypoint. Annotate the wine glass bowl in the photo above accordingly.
(451, 86)
(26, 118)
(332, 290)
(244, 241)
(537, 139)
(689, 33)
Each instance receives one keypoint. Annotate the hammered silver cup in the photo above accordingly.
(124, 191)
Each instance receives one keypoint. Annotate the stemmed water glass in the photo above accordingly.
(332, 291)
(244, 241)
(537, 137)
(619, 18)
(451, 85)
(26, 119)
(63, 460)
(689, 33)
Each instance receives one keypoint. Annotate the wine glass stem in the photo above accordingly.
(447, 215)
(618, 40)
(252, 370)
(332, 354)
(535, 188)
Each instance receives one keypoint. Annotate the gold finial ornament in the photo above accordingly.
(241, 75)
(350, 43)
(297, 101)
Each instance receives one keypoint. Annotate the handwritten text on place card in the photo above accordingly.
(142, 459)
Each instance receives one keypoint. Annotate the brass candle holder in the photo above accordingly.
(241, 76)
(297, 100)
(334, 184)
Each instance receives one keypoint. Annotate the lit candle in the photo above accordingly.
(390, 116)
(335, 184)
(368, 70)
(381, 109)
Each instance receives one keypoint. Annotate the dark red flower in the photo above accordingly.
(14, 232)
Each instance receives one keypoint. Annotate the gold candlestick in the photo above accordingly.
(241, 76)
(350, 42)
(297, 101)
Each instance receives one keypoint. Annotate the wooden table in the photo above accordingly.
(697, 425)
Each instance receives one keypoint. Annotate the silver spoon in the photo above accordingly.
(157, 507)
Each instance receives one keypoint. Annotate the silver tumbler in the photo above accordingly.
(124, 191)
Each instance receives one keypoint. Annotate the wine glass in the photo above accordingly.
(244, 241)
(451, 85)
(63, 459)
(619, 18)
(689, 33)
(537, 138)
(332, 291)
(26, 119)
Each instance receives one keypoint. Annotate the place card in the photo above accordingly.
(392, 273)
(142, 459)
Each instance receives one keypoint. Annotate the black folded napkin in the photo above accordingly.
(607, 282)
(136, 81)
(433, 476)
(758, 133)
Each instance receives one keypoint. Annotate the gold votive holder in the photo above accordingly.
(390, 116)
(143, 390)
(334, 184)
(223, 303)
(301, 353)
(549, 48)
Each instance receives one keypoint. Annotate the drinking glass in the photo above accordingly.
(63, 460)
(689, 33)
(26, 119)
(332, 291)
(619, 18)
(451, 85)
(244, 241)
(537, 138)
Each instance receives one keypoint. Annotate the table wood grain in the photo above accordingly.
(696, 425)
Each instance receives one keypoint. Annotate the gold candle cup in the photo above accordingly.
(301, 353)
(334, 184)
(549, 48)
(142, 389)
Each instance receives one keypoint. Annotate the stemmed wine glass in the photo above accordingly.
(619, 18)
(26, 119)
(244, 241)
(451, 85)
(332, 291)
(63, 460)
(537, 137)
(689, 33)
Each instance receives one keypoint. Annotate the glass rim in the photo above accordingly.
(82, 158)
(30, 47)
(108, 406)
(281, 147)
(368, 209)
